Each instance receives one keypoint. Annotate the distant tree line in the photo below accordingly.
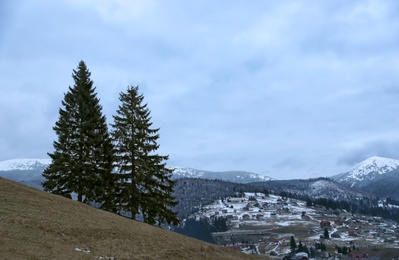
(345, 249)
(119, 170)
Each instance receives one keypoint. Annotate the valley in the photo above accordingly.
(260, 215)
(264, 225)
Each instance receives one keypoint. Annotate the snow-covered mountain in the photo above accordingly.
(368, 171)
(23, 164)
(29, 171)
(232, 176)
(26, 171)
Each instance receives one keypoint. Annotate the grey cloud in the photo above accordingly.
(383, 148)
(289, 163)
(266, 87)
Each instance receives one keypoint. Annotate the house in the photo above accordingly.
(352, 233)
(246, 216)
(325, 224)
(381, 229)
(358, 256)
(283, 211)
(259, 216)
(235, 200)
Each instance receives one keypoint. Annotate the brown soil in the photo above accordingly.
(39, 225)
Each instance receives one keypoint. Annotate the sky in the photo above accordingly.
(288, 89)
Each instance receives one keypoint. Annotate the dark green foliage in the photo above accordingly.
(326, 234)
(83, 156)
(344, 250)
(202, 229)
(292, 244)
(321, 246)
(312, 252)
(199, 229)
(302, 248)
(220, 225)
(191, 193)
(144, 184)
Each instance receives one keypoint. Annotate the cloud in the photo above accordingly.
(280, 87)
(117, 11)
(290, 163)
(26, 128)
(383, 148)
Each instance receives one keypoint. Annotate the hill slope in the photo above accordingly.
(39, 225)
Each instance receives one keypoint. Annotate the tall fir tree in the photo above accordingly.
(326, 234)
(82, 160)
(144, 182)
(292, 244)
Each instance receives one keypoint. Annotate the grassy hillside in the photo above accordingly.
(38, 225)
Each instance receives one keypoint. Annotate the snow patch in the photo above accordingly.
(187, 172)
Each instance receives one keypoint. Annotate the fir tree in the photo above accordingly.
(326, 234)
(83, 154)
(300, 246)
(144, 184)
(292, 244)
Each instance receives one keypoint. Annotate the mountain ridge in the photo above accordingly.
(233, 176)
(368, 176)
(367, 171)
(29, 171)
(376, 175)
(23, 164)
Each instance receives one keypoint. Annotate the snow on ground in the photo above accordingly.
(253, 211)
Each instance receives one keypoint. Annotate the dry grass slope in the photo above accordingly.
(38, 225)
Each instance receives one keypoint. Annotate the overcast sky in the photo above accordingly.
(289, 89)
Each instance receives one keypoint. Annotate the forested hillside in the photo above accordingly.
(191, 193)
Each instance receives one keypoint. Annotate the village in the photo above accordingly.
(265, 225)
